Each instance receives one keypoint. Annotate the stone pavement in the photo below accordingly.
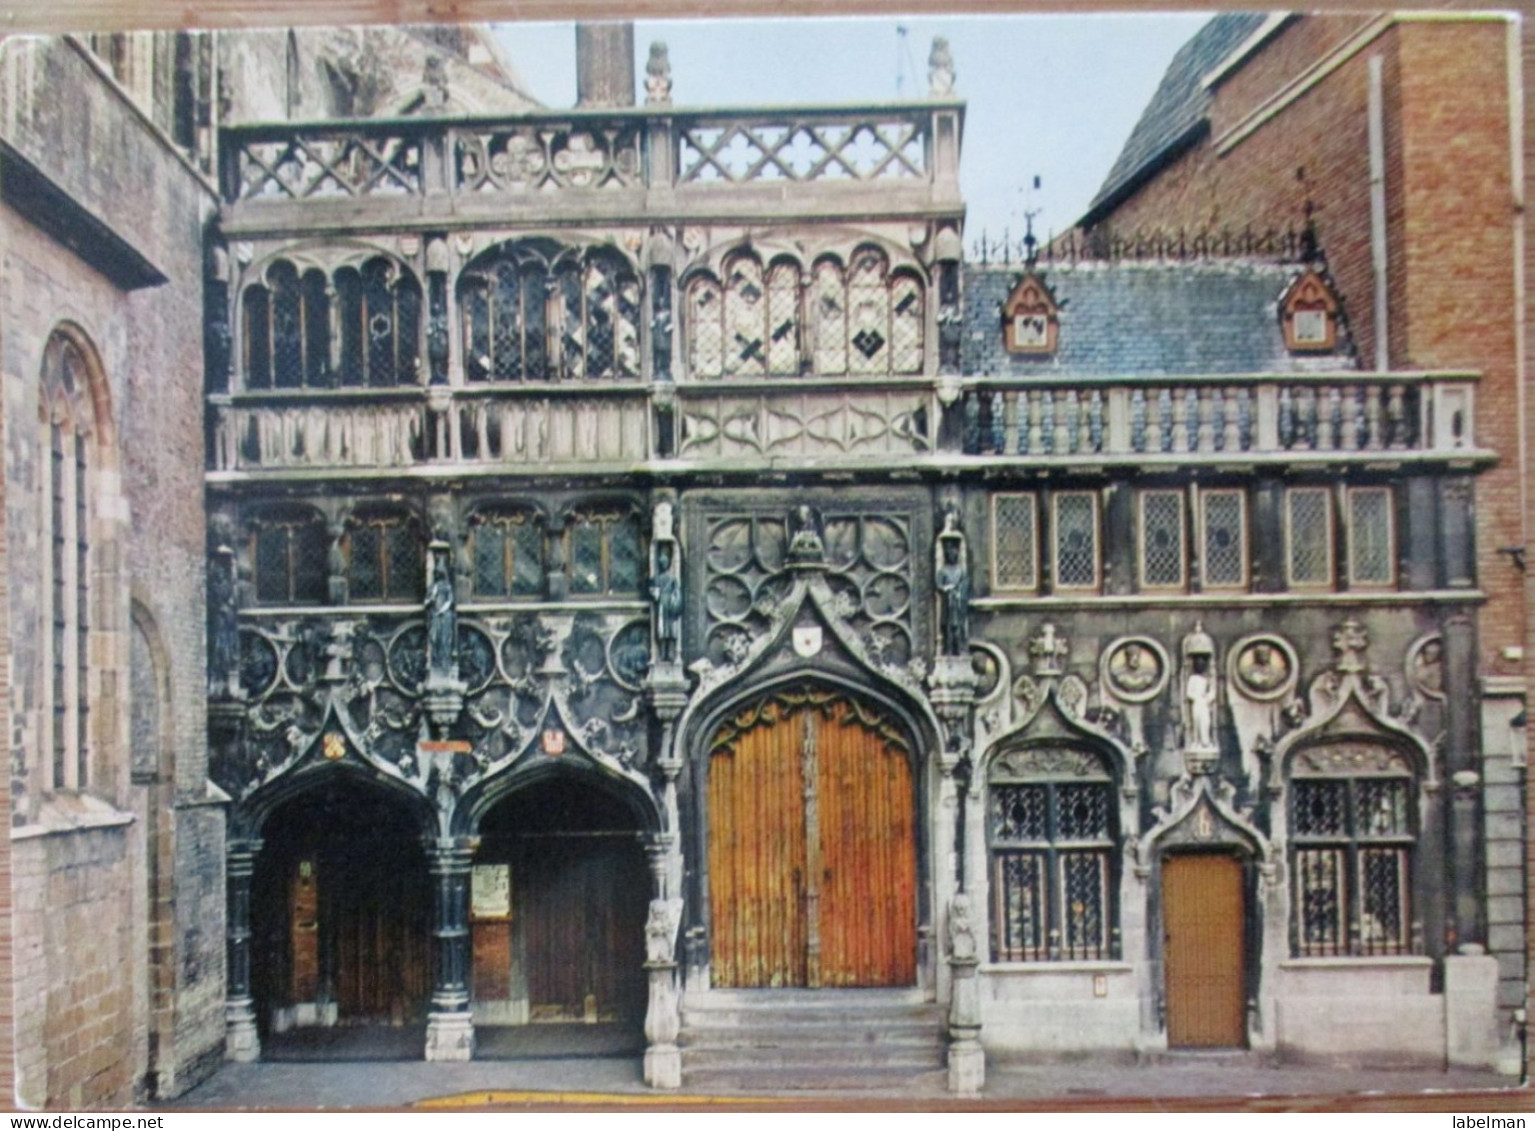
(615, 1081)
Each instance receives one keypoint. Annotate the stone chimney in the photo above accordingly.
(604, 65)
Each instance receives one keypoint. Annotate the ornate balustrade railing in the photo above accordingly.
(641, 149)
(856, 421)
(1216, 415)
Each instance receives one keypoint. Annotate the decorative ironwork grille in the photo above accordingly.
(604, 555)
(1162, 538)
(1370, 551)
(289, 560)
(1014, 542)
(1225, 538)
(1076, 540)
(1353, 854)
(1051, 845)
(384, 559)
(1308, 533)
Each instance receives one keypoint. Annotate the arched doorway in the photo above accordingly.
(560, 895)
(340, 912)
(812, 845)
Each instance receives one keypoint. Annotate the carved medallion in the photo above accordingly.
(1264, 668)
(807, 640)
(333, 746)
(1134, 669)
(554, 743)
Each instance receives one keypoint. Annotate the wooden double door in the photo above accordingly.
(1204, 952)
(812, 847)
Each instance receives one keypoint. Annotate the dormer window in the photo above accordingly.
(1030, 318)
(1309, 315)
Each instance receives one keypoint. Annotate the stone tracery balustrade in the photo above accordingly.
(644, 148)
(1215, 415)
(840, 421)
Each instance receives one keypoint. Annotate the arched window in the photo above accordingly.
(508, 552)
(1050, 829)
(537, 311)
(1352, 836)
(862, 319)
(313, 331)
(289, 550)
(384, 557)
(70, 438)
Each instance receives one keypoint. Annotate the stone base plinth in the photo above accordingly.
(663, 1066)
(967, 1067)
(450, 1036)
(241, 1041)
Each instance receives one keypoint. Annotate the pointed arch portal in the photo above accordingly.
(812, 845)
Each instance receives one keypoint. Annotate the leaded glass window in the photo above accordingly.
(1076, 540)
(603, 554)
(1162, 539)
(508, 555)
(1050, 831)
(1308, 536)
(755, 320)
(1014, 542)
(384, 558)
(1371, 550)
(289, 551)
(534, 310)
(1352, 839)
(1224, 538)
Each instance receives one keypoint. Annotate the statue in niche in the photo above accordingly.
(805, 540)
(1425, 668)
(442, 622)
(952, 580)
(666, 595)
(223, 625)
(1199, 691)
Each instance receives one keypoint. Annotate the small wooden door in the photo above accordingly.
(812, 849)
(1203, 951)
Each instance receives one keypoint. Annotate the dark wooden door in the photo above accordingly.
(812, 849)
(375, 922)
(1203, 951)
(583, 899)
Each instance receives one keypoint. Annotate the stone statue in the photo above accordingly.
(1199, 691)
(666, 595)
(805, 542)
(952, 580)
(442, 624)
(223, 625)
(658, 933)
(658, 76)
(962, 944)
(940, 68)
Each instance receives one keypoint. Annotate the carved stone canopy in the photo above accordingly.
(1359, 758)
(1047, 763)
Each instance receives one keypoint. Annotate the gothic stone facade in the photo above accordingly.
(650, 504)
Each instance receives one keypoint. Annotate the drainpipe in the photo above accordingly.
(1378, 212)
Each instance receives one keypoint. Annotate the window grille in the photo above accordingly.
(1014, 542)
(1162, 539)
(1076, 540)
(1225, 539)
(1353, 851)
(1371, 553)
(1051, 845)
(508, 556)
(1308, 536)
(604, 555)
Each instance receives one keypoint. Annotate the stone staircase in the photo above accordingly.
(824, 1040)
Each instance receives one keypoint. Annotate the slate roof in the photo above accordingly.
(1175, 116)
(1152, 318)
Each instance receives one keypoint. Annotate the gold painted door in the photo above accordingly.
(812, 848)
(1203, 951)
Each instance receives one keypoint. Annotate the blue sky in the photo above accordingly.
(1053, 96)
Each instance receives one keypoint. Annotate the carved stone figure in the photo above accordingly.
(223, 625)
(442, 623)
(1133, 668)
(658, 933)
(658, 76)
(962, 944)
(952, 581)
(666, 595)
(1199, 691)
(1262, 668)
(940, 68)
(805, 541)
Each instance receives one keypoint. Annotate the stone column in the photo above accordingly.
(967, 1057)
(241, 1041)
(450, 1025)
(1462, 764)
(663, 1021)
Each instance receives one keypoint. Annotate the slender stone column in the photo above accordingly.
(663, 1020)
(450, 1024)
(967, 1057)
(241, 1041)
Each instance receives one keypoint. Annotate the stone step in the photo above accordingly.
(926, 1035)
(791, 1061)
(819, 1079)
